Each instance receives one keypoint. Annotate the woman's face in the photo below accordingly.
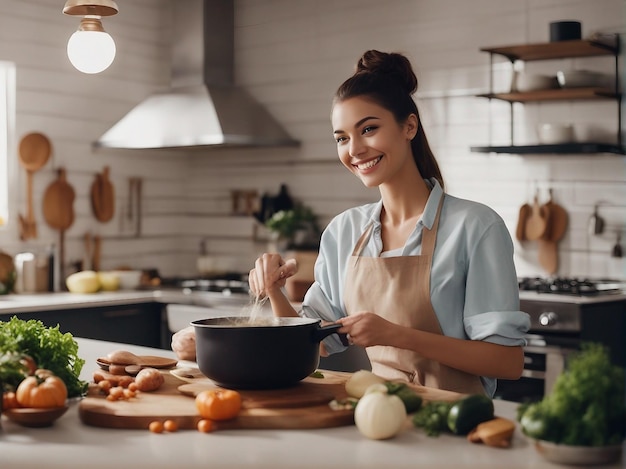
(370, 142)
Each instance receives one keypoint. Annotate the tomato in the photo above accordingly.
(9, 401)
(42, 390)
(170, 426)
(206, 426)
(156, 426)
(218, 404)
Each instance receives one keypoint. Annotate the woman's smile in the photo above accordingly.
(364, 166)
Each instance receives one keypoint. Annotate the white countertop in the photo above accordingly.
(71, 444)
(17, 303)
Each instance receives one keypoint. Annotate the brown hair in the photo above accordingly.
(388, 79)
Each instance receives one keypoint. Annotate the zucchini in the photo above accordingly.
(466, 414)
(411, 400)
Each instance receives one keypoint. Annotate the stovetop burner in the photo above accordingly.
(226, 283)
(570, 286)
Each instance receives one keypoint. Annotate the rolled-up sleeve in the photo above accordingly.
(491, 312)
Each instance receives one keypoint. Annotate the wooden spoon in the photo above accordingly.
(58, 210)
(34, 152)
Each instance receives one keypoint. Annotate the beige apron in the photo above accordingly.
(398, 289)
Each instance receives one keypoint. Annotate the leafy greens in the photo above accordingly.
(48, 346)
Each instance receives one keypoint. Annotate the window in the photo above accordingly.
(7, 120)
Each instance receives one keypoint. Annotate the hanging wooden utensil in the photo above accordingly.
(522, 219)
(34, 152)
(97, 249)
(537, 221)
(555, 230)
(58, 210)
(548, 255)
(103, 196)
(557, 225)
(87, 261)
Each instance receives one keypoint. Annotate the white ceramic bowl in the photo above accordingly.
(578, 455)
(129, 279)
(532, 82)
(552, 134)
(580, 79)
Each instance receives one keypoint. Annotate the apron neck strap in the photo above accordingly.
(362, 240)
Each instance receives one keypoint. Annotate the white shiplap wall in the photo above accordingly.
(291, 55)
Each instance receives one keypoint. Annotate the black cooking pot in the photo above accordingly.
(273, 353)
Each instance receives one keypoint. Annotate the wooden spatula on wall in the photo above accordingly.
(58, 211)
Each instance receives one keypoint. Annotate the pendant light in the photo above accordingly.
(91, 49)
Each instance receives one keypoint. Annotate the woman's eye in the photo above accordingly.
(340, 139)
(368, 129)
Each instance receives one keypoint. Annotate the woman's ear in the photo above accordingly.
(410, 126)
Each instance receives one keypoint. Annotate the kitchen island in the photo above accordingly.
(71, 444)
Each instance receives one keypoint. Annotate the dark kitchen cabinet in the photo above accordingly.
(138, 324)
(552, 51)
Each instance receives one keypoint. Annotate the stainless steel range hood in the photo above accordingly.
(203, 107)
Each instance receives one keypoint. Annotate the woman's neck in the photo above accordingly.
(404, 202)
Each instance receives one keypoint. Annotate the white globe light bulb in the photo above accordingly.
(91, 51)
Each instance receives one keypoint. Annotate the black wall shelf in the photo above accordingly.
(571, 148)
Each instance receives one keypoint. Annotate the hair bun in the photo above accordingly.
(393, 65)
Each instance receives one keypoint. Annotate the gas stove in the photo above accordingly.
(227, 284)
(571, 286)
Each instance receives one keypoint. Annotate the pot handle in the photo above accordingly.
(324, 331)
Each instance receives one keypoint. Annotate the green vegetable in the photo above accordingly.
(50, 349)
(468, 412)
(411, 400)
(317, 374)
(586, 406)
(432, 417)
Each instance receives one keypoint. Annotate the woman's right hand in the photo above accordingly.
(270, 274)
(184, 344)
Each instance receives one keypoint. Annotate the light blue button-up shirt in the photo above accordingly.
(473, 285)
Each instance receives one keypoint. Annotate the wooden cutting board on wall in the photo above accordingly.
(103, 196)
(302, 406)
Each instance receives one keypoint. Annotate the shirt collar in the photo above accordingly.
(432, 204)
(430, 211)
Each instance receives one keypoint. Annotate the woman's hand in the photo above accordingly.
(270, 273)
(184, 344)
(366, 329)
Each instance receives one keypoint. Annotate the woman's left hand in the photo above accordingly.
(366, 329)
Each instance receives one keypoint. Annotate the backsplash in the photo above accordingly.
(291, 57)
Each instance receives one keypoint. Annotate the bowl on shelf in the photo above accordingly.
(35, 417)
(580, 79)
(532, 82)
(578, 455)
(554, 134)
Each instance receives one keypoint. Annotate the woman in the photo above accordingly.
(425, 281)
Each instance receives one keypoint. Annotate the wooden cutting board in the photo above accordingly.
(302, 406)
(103, 196)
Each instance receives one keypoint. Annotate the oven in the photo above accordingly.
(564, 313)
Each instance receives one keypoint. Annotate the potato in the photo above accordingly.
(86, 281)
(122, 357)
(149, 379)
(109, 281)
